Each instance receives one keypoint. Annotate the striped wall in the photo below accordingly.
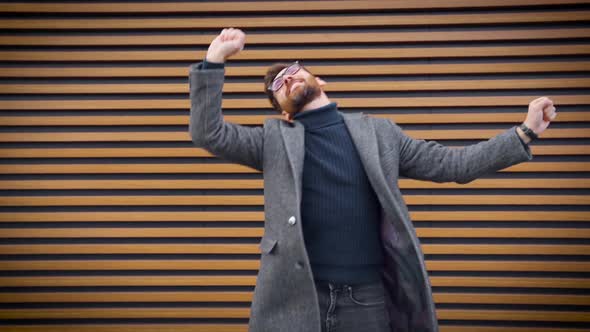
(110, 220)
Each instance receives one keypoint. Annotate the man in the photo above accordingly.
(339, 252)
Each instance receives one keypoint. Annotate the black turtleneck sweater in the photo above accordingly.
(340, 211)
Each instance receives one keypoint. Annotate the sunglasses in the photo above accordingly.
(278, 82)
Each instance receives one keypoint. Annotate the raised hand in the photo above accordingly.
(229, 42)
(541, 113)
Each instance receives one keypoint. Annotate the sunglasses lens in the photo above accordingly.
(276, 84)
(292, 69)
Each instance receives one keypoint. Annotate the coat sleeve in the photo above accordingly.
(432, 161)
(233, 142)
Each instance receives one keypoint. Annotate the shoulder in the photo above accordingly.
(272, 126)
(381, 125)
(272, 122)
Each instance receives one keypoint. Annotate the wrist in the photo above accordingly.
(528, 132)
(524, 137)
(531, 126)
(214, 58)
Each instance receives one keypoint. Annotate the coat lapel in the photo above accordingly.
(365, 141)
(294, 140)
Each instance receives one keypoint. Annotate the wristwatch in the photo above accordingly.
(529, 132)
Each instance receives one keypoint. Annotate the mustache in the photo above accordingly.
(293, 81)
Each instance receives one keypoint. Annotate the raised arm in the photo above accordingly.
(432, 161)
(233, 142)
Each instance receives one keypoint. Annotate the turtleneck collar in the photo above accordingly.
(319, 117)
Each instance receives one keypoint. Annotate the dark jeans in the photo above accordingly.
(352, 308)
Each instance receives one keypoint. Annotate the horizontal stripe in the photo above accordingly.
(145, 104)
(547, 183)
(146, 152)
(533, 216)
(442, 118)
(300, 6)
(243, 264)
(229, 168)
(431, 85)
(227, 296)
(183, 136)
(298, 38)
(184, 248)
(493, 282)
(189, 232)
(204, 312)
(340, 20)
(358, 69)
(173, 200)
(304, 54)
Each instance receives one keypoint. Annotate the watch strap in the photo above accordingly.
(529, 132)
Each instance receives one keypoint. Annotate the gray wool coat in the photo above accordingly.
(285, 298)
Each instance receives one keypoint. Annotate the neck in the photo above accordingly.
(318, 102)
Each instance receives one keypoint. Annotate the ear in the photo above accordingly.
(287, 116)
(320, 81)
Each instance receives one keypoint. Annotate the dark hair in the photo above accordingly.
(271, 73)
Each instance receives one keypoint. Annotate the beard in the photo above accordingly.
(303, 95)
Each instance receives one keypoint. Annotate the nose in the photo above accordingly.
(287, 82)
(287, 79)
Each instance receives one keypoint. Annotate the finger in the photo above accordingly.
(238, 34)
(549, 113)
(536, 101)
(233, 34)
(549, 110)
(539, 100)
(243, 42)
(544, 103)
(242, 38)
(223, 34)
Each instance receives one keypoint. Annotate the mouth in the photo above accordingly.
(294, 86)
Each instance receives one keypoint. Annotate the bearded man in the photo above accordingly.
(339, 252)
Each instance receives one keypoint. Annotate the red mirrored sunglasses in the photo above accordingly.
(278, 82)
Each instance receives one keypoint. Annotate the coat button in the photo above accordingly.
(292, 221)
(298, 265)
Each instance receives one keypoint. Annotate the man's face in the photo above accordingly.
(299, 87)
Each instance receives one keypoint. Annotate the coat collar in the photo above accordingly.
(363, 136)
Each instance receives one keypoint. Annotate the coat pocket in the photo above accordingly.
(267, 245)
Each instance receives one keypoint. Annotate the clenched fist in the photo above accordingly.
(541, 113)
(229, 42)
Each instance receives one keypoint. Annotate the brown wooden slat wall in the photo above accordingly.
(111, 221)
